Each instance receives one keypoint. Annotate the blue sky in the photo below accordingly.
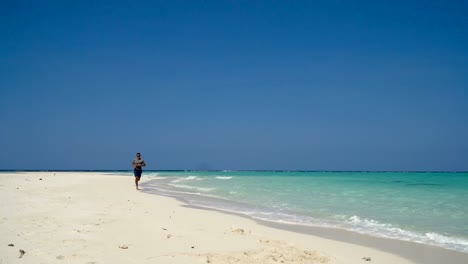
(307, 85)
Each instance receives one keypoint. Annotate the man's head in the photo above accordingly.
(138, 155)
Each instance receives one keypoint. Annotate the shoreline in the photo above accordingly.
(39, 206)
(199, 197)
(414, 251)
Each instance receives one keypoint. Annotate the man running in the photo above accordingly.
(138, 165)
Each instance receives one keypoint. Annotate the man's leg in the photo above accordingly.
(137, 179)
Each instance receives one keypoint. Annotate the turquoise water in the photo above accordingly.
(429, 207)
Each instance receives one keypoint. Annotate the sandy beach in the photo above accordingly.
(89, 217)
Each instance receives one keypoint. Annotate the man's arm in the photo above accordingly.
(133, 164)
(143, 164)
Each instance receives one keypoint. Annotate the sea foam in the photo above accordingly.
(223, 177)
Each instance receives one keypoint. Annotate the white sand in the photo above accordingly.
(70, 217)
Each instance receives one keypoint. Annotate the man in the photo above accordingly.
(138, 165)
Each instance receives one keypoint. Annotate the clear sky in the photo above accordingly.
(307, 85)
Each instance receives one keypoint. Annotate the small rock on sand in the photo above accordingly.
(11, 245)
(367, 258)
(60, 257)
(123, 246)
(22, 252)
(239, 231)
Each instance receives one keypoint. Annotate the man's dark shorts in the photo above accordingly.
(137, 173)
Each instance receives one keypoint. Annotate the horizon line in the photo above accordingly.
(221, 170)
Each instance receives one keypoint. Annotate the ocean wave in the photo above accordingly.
(368, 227)
(447, 240)
(188, 178)
(202, 189)
(223, 177)
(375, 228)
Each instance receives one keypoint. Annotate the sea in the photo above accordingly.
(423, 207)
